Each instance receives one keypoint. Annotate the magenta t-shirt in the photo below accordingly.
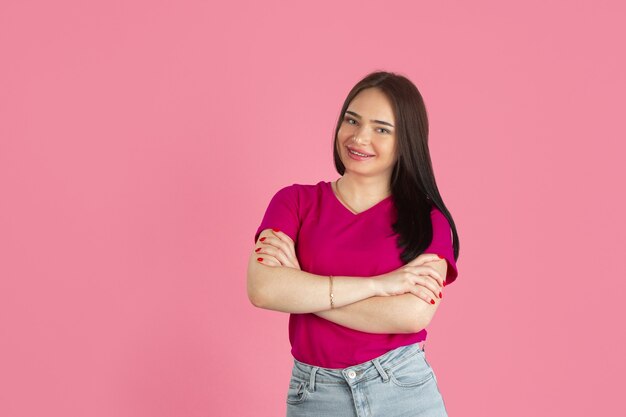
(331, 240)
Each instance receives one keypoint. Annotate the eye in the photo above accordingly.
(385, 130)
(349, 119)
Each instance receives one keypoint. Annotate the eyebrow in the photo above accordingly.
(382, 122)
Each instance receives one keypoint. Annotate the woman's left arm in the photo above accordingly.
(404, 313)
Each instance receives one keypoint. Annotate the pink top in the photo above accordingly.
(331, 240)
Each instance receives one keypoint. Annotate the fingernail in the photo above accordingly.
(262, 239)
(276, 230)
(440, 256)
(440, 294)
(444, 283)
(259, 259)
(257, 249)
(432, 301)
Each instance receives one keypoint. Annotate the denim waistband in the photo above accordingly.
(374, 368)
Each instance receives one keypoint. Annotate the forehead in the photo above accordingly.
(372, 103)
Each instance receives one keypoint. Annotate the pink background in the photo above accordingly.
(140, 143)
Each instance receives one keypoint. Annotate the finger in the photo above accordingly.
(432, 297)
(441, 282)
(277, 242)
(416, 291)
(427, 270)
(436, 255)
(284, 235)
(432, 272)
(278, 254)
(268, 260)
(280, 250)
(426, 281)
(435, 276)
(430, 283)
(287, 239)
(423, 294)
(285, 243)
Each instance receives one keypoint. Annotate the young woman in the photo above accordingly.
(360, 263)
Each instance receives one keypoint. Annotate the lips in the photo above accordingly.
(359, 151)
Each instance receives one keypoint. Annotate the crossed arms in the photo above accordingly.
(357, 305)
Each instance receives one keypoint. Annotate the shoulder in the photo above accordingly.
(436, 214)
(300, 191)
(440, 222)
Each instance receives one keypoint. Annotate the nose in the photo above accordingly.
(361, 136)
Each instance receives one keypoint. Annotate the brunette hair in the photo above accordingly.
(413, 182)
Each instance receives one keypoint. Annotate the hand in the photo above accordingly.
(281, 250)
(425, 258)
(415, 277)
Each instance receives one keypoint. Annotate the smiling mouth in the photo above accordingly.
(363, 155)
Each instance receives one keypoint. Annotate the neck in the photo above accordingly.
(360, 189)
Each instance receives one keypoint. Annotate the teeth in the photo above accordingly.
(357, 153)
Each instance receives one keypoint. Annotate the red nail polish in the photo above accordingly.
(276, 230)
(432, 301)
(440, 256)
(440, 294)
(257, 249)
(262, 239)
(259, 259)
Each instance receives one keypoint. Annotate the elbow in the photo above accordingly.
(253, 284)
(421, 316)
(260, 286)
(255, 296)
(256, 292)
(259, 301)
(254, 299)
(417, 325)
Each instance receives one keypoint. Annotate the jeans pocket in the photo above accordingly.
(411, 372)
(297, 392)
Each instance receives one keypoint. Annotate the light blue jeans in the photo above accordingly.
(399, 383)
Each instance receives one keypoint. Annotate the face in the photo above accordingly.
(368, 128)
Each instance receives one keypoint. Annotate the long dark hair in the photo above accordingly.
(413, 182)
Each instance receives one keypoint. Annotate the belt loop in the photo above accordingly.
(312, 379)
(380, 369)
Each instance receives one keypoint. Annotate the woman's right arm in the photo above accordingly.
(291, 290)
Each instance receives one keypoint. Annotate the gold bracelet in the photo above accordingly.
(332, 296)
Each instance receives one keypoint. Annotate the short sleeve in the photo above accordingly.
(442, 243)
(282, 213)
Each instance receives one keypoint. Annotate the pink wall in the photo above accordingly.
(140, 143)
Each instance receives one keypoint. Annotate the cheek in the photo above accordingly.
(345, 130)
(393, 148)
(389, 150)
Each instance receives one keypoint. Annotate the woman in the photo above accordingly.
(360, 263)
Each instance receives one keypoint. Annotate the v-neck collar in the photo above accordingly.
(335, 197)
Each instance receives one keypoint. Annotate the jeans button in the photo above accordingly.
(351, 374)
